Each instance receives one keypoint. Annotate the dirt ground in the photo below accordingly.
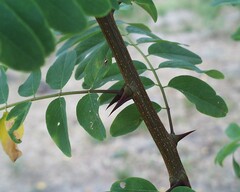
(94, 166)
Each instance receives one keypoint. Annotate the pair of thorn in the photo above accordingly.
(124, 95)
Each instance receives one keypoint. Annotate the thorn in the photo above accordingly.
(178, 138)
(124, 95)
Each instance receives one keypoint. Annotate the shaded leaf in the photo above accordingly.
(16, 117)
(201, 94)
(226, 151)
(128, 120)
(139, 28)
(97, 8)
(236, 35)
(88, 116)
(233, 131)
(21, 49)
(9, 146)
(79, 37)
(236, 167)
(95, 68)
(133, 184)
(189, 66)
(214, 74)
(4, 90)
(148, 6)
(147, 40)
(32, 15)
(56, 121)
(64, 16)
(222, 2)
(115, 4)
(182, 189)
(173, 51)
(61, 70)
(30, 86)
(114, 74)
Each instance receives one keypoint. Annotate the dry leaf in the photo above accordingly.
(9, 146)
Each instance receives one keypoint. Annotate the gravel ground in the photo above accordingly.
(94, 166)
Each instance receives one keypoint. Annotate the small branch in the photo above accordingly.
(60, 94)
(159, 84)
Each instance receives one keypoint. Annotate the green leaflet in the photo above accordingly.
(61, 70)
(201, 94)
(221, 2)
(173, 51)
(56, 121)
(236, 35)
(4, 90)
(79, 37)
(182, 189)
(64, 16)
(236, 167)
(21, 49)
(30, 13)
(149, 7)
(233, 131)
(95, 68)
(139, 28)
(18, 114)
(226, 151)
(189, 66)
(88, 117)
(97, 8)
(30, 86)
(133, 184)
(128, 120)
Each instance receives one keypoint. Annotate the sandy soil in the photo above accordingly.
(94, 166)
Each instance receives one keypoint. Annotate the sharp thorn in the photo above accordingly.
(179, 137)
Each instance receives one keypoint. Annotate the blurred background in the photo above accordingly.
(94, 165)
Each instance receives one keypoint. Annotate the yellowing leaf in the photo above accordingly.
(9, 146)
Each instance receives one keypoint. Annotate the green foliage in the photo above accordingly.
(4, 91)
(56, 121)
(201, 94)
(61, 70)
(221, 2)
(133, 184)
(173, 51)
(27, 37)
(17, 115)
(30, 86)
(148, 6)
(182, 189)
(128, 120)
(233, 133)
(88, 117)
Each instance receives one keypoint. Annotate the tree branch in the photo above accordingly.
(164, 142)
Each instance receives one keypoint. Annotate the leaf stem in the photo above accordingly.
(158, 83)
(34, 98)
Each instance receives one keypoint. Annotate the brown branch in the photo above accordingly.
(165, 143)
